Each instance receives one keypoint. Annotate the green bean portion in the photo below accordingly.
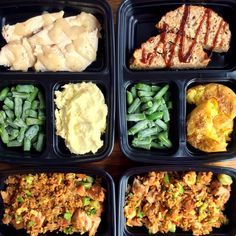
(149, 115)
(22, 117)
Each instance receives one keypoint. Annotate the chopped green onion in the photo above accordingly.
(67, 216)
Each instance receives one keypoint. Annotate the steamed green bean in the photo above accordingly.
(22, 117)
(148, 115)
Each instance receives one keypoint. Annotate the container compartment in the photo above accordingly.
(55, 149)
(128, 176)
(107, 226)
(139, 18)
(138, 154)
(12, 12)
(60, 148)
(101, 72)
(231, 148)
(17, 152)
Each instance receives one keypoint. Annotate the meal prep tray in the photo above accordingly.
(107, 226)
(101, 72)
(127, 177)
(136, 23)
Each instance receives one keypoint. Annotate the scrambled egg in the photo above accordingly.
(81, 117)
(210, 124)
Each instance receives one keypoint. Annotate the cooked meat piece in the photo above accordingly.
(139, 189)
(167, 50)
(17, 55)
(76, 56)
(17, 225)
(204, 178)
(135, 222)
(85, 223)
(223, 192)
(189, 200)
(199, 23)
(225, 96)
(152, 195)
(95, 223)
(96, 192)
(29, 27)
(70, 44)
(65, 30)
(188, 205)
(81, 221)
(203, 132)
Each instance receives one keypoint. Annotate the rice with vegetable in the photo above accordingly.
(48, 202)
(163, 201)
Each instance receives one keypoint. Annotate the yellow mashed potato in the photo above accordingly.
(81, 117)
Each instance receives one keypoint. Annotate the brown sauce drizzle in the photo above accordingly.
(208, 15)
(217, 35)
(222, 38)
(147, 58)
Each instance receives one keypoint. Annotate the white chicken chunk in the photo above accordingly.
(29, 27)
(70, 44)
(17, 55)
(85, 223)
(75, 56)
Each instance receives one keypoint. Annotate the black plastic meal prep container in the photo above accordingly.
(107, 226)
(128, 176)
(136, 24)
(101, 72)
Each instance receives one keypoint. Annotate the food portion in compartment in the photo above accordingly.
(164, 51)
(185, 33)
(22, 117)
(29, 27)
(163, 201)
(199, 23)
(148, 108)
(50, 42)
(65, 202)
(210, 124)
(81, 117)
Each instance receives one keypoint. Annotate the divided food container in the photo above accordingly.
(136, 24)
(107, 226)
(127, 179)
(101, 72)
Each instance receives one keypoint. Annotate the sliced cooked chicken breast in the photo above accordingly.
(77, 55)
(68, 44)
(66, 29)
(17, 55)
(30, 26)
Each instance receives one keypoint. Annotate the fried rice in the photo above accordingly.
(66, 202)
(163, 201)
